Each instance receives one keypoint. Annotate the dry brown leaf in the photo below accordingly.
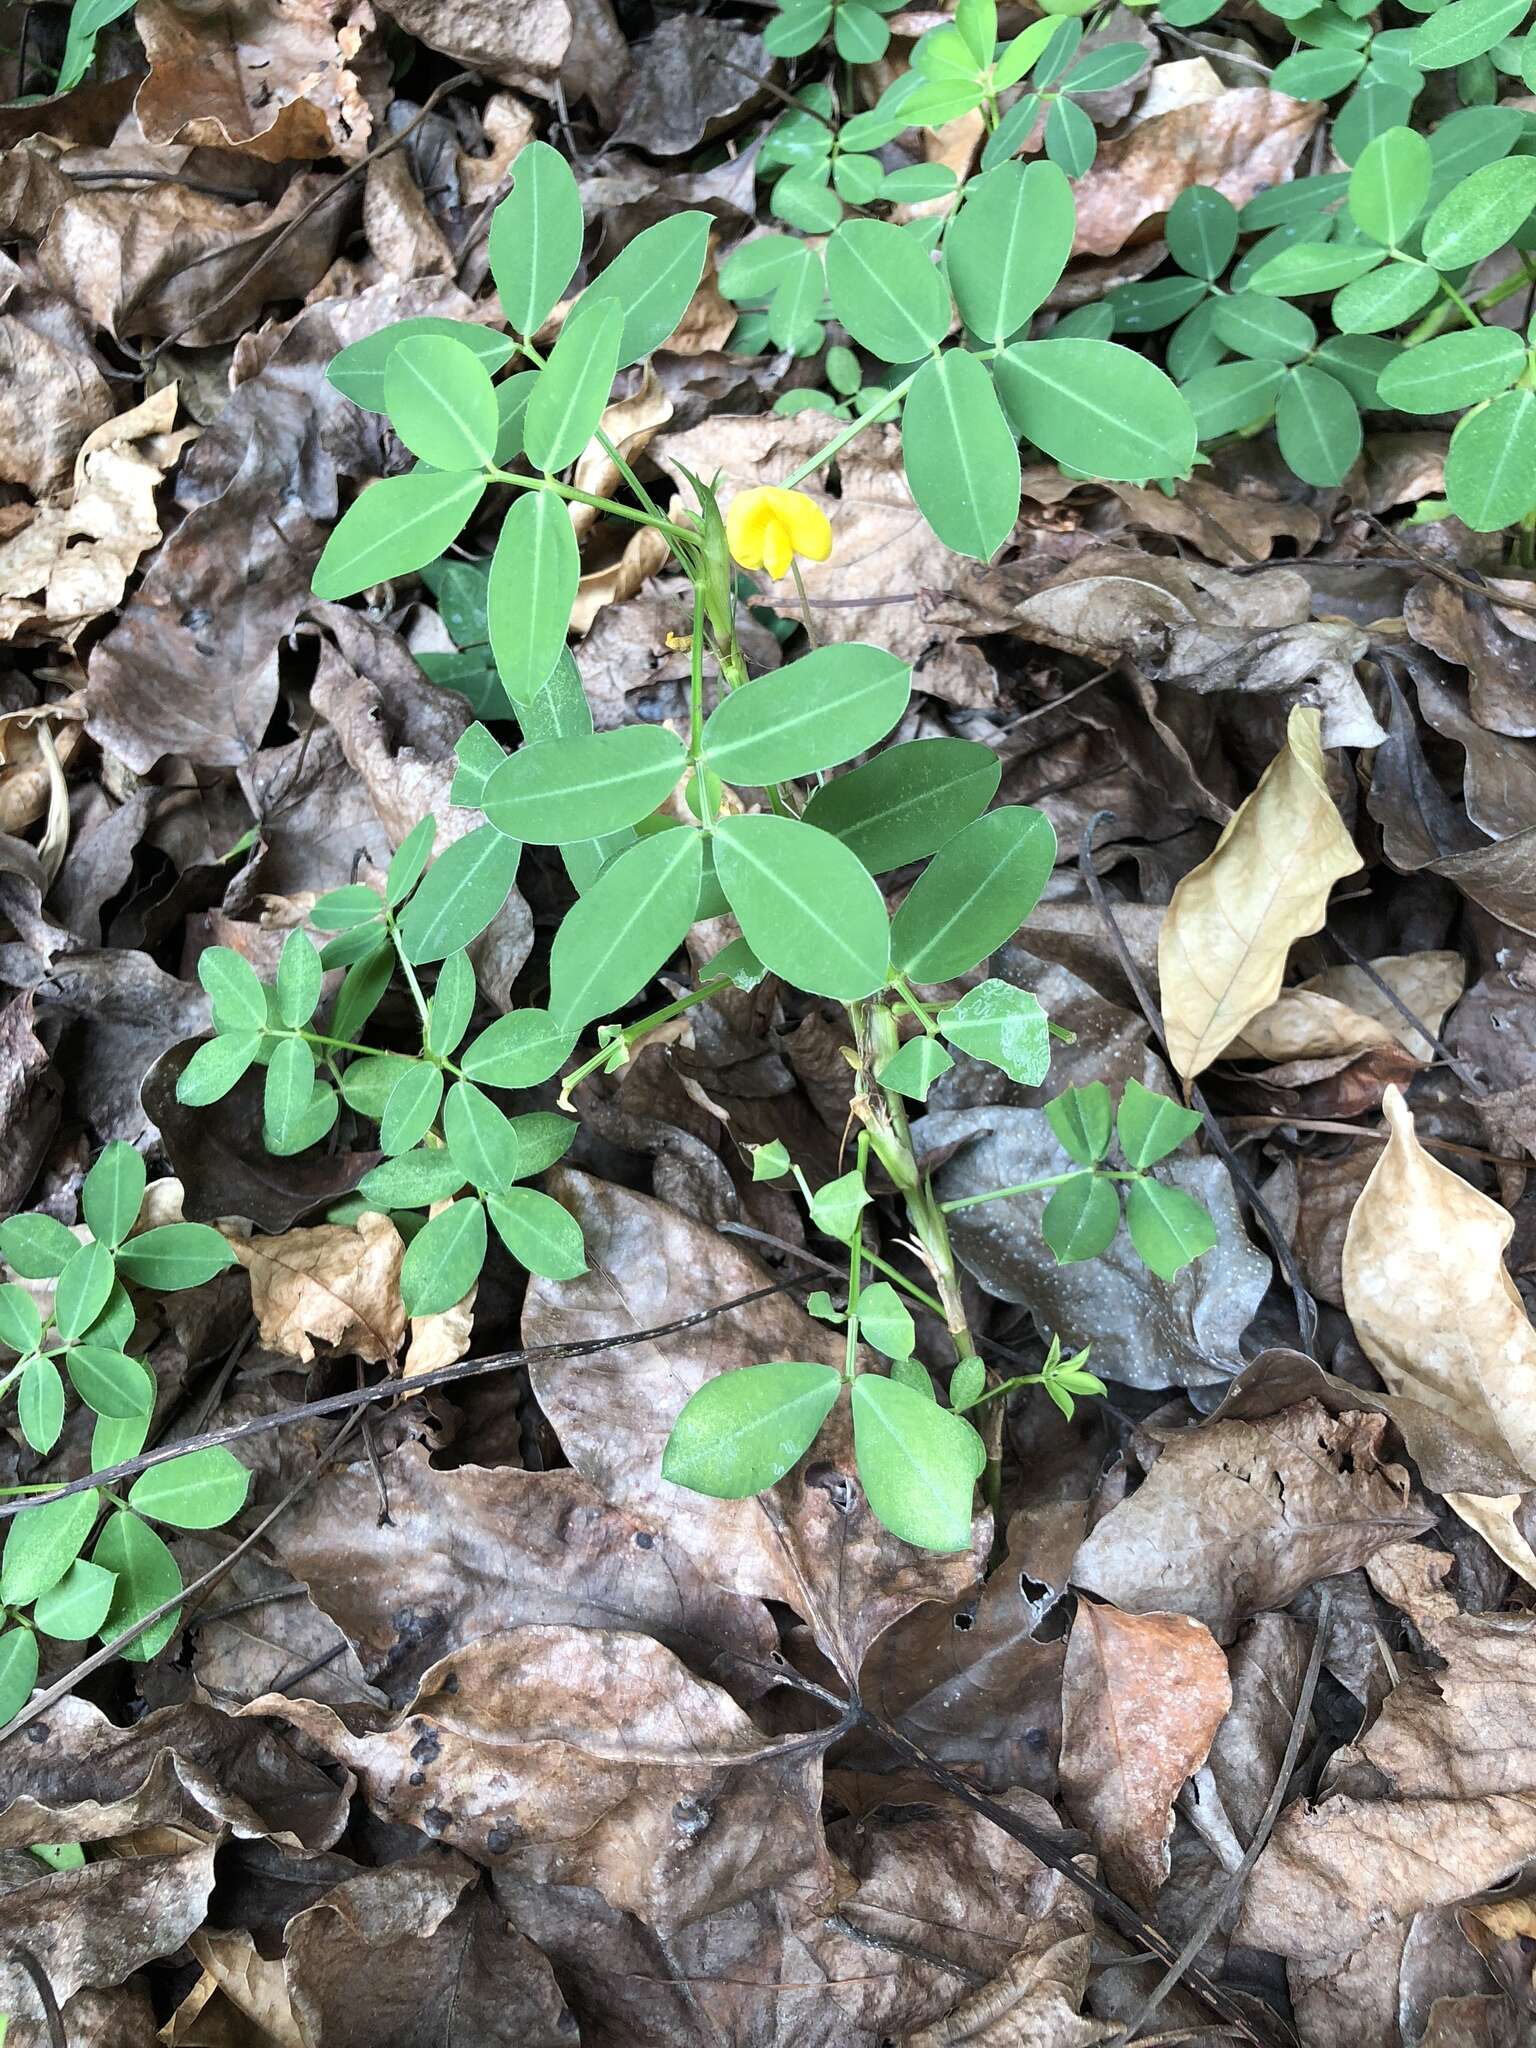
(590, 1756)
(1342, 1011)
(1232, 921)
(271, 78)
(1240, 142)
(52, 394)
(80, 555)
(1235, 1518)
(1438, 1316)
(1142, 1696)
(337, 1284)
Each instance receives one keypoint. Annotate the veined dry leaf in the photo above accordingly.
(1438, 1316)
(1142, 1697)
(338, 1284)
(1342, 1011)
(590, 1756)
(1232, 921)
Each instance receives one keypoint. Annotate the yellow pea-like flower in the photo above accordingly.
(767, 526)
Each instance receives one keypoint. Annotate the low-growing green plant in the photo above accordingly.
(80, 1339)
(742, 813)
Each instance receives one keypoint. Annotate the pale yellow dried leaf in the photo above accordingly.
(1437, 1314)
(337, 1285)
(1230, 927)
(1342, 1011)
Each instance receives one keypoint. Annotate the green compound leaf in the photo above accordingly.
(859, 35)
(1150, 1126)
(234, 989)
(1081, 1119)
(884, 1320)
(961, 460)
(1168, 1228)
(198, 1491)
(745, 1429)
(914, 1067)
(1003, 1025)
(444, 1259)
(539, 1233)
(534, 574)
(360, 369)
(975, 893)
(885, 290)
(481, 1141)
(452, 1004)
(1464, 30)
(518, 1051)
(175, 1256)
(1318, 426)
(1071, 140)
(1201, 231)
(1098, 408)
(1232, 396)
(21, 1327)
(904, 804)
(407, 864)
(146, 1576)
(37, 1246)
(42, 1543)
(415, 1180)
(83, 1287)
(561, 790)
(1481, 213)
(395, 527)
(573, 386)
(110, 1199)
(1006, 248)
(1081, 1218)
(654, 278)
(809, 909)
(412, 1108)
(633, 918)
(838, 1204)
(1490, 470)
(1384, 298)
(441, 402)
(463, 891)
(808, 715)
(1313, 267)
(1452, 371)
(1259, 325)
(1390, 184)
(918, 1463)
(535, 239)
(109, 1382)
(18, 1671)
(40, 1404)
(1317, 74)
(298, 980)
(286, 1099)
(77, 1606)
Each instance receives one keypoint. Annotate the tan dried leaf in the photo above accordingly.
(1342, 1011)
(1438, 1316)
(337, 1284)
(1142, 1698)
(1232, 921)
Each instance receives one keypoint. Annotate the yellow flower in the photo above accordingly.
(768, 526)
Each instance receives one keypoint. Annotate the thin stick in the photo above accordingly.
(1433, 568)
(1306, 1307)
(1459, 1068)
(1227, 1890)
(389, 1390)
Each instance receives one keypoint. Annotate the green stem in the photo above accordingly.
(1438, 317)
(918, 1009)
(633, 1032)
(900, 1280)
(539, 362)
(855, 1263)
(1028, 1187)
(854, 428)
(678, 535)
(410, 974)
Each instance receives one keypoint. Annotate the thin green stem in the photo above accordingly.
(632, 1033)
(930, 1301)
(855, 1263)
(855, 427)
(679, 535)
(1438, 317)
(696, 679)
(918, 1009)
(600, 436)
(417, 997)
(1028, 1187)
(805, 603)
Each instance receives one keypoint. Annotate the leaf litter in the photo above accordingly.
(471, 1728)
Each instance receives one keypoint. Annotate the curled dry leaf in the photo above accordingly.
(1142, 1698)
(590, 1757)
(1237, 1517)
(1342, 1011)
(338, 1284)
(1438, 1316)
(1233, 919)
